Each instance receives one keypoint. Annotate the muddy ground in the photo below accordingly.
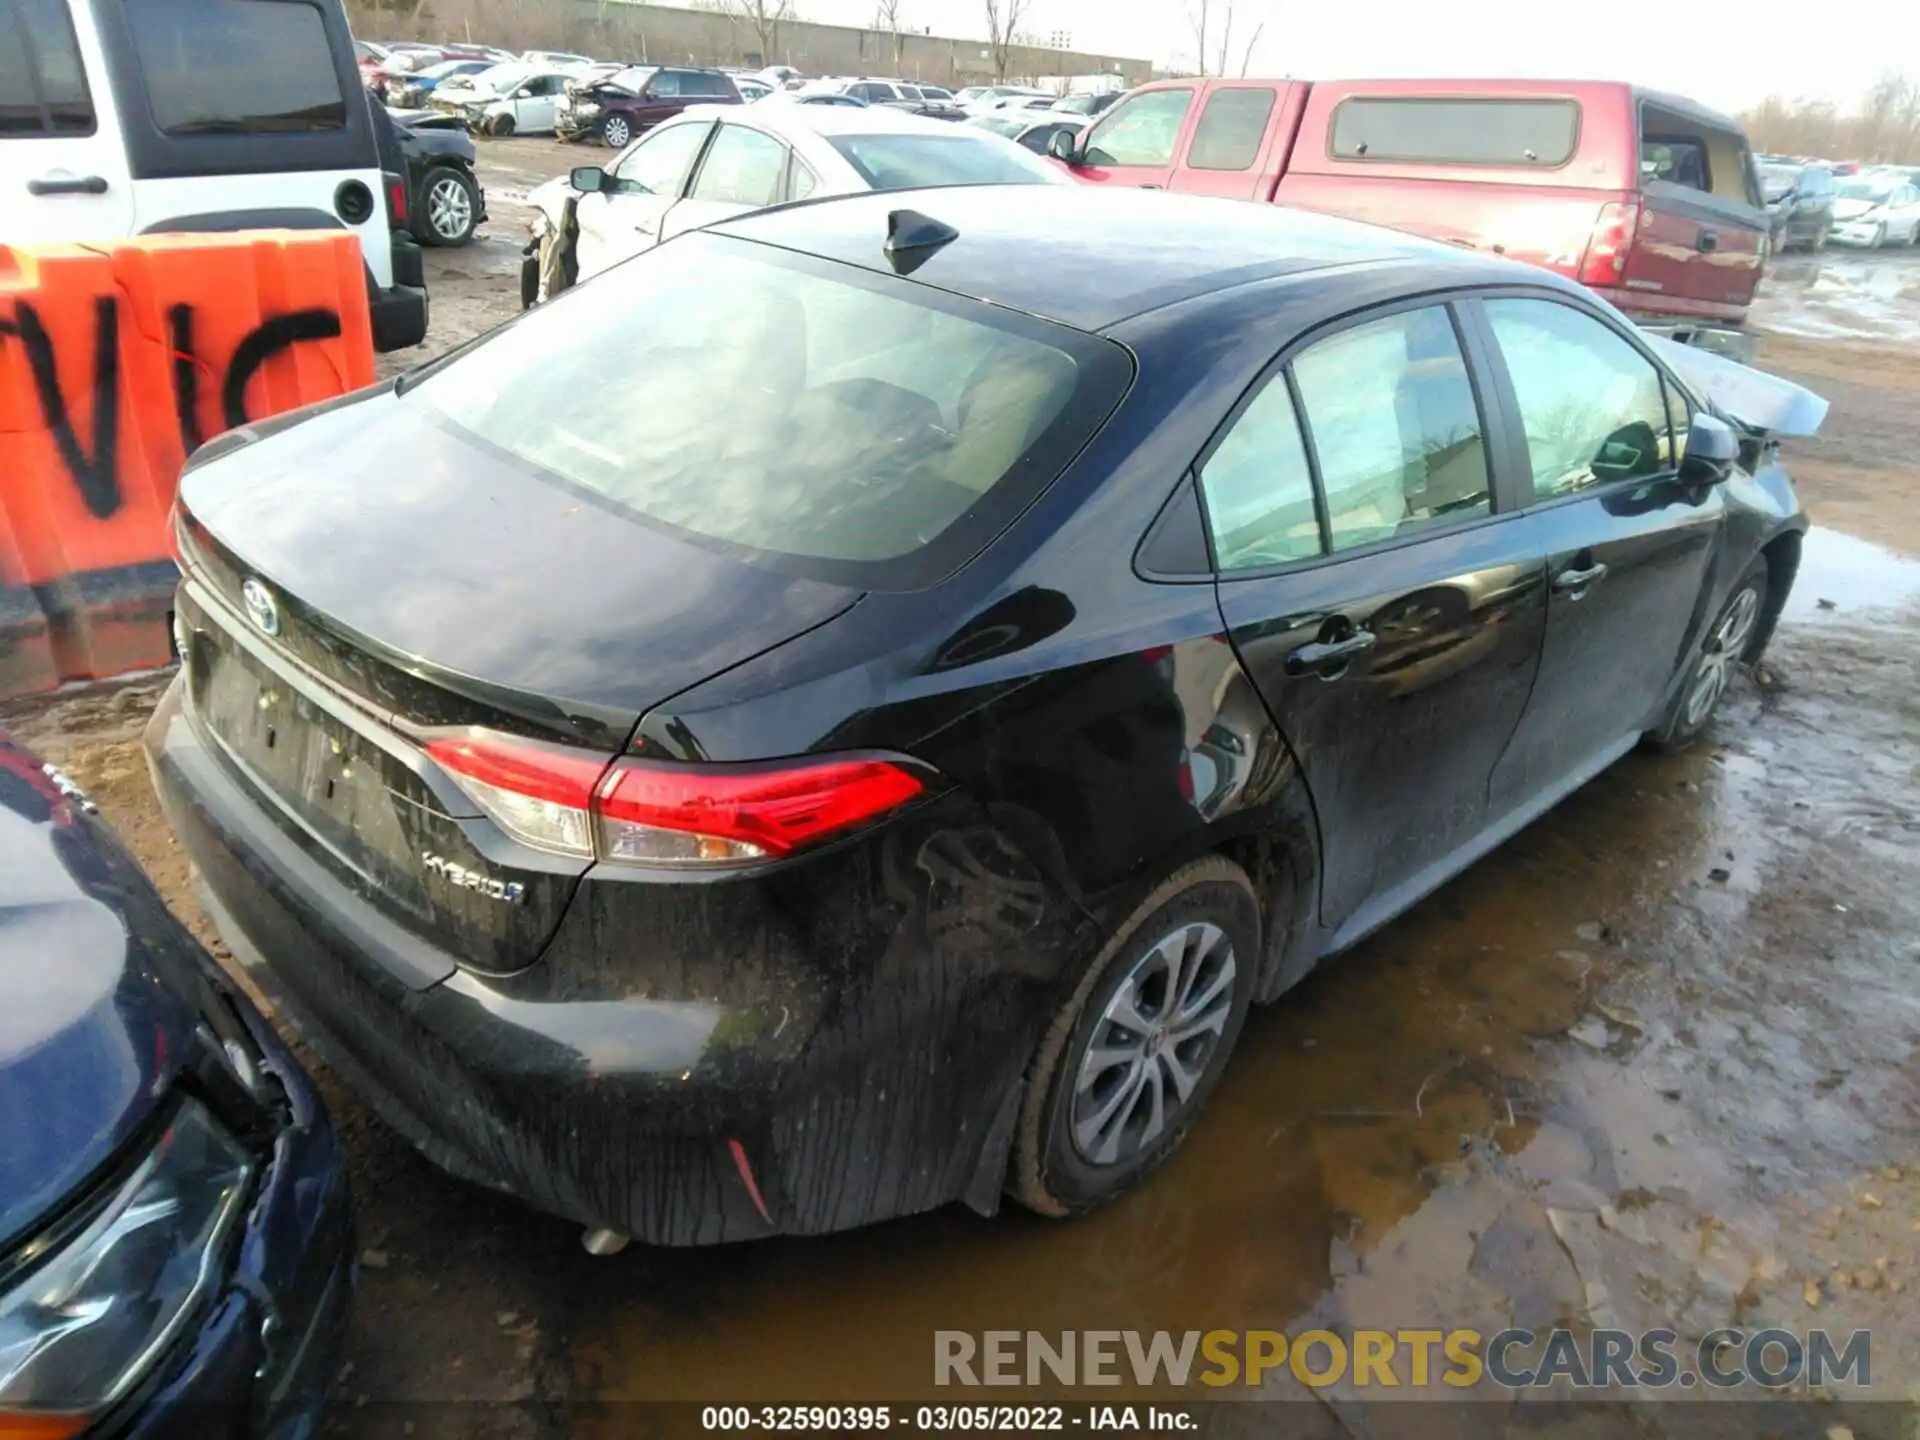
(1651, 1063)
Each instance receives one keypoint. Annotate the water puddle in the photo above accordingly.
(1842, 296)
(1841, 575)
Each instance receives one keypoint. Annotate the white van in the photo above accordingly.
(127, 117)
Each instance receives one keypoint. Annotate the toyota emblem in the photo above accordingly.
(262, 609)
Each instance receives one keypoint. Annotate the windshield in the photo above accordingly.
(634, 77)
(452, 67)
(1078, 104)
(993, 124)
(496, 77)
(785, 404)
(1875, 190)
(906, 162)
(1778, 179)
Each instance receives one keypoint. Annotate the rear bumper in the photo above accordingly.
(740, 1063)
(399, 311)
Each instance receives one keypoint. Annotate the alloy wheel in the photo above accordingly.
(1723, 652)
(1155, 1041)
(618, 133)
(450, 209)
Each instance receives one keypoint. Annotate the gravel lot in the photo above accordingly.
(1653, 1060)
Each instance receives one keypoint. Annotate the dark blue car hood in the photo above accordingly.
(93, 1024)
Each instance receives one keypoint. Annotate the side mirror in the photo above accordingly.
(587, 179)
(1064, 147)
(1712, 450)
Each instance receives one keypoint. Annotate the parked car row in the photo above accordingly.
(1809, 202)
(711, 162)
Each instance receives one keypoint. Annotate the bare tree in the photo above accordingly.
(1198, 14)
(886, 16)
(1246, 56)
(1885, 127)
(764, 18)
(1003, 19)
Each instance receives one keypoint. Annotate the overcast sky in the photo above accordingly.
(1722, 55)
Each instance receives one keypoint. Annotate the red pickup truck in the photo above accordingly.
(1650, 199)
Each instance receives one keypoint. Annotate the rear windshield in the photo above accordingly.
(905, 162)
(236, 67)
(1464, 131)
(833, 421)
(994, 125)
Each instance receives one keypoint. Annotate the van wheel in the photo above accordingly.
(449, 201)
(616, 130)
(1731, 643)
(1132, 1056)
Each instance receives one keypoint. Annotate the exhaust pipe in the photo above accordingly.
(604, 1242)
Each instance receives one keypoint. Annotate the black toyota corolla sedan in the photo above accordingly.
(874, 752)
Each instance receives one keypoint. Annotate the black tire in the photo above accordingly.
(1195, 911)
(500, 127)
(1734, 639)
(616, 125)
(448, 206)
(530, 280)
(1820, 240)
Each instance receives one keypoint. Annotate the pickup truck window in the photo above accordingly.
(1456, 131)
(1140, 131)
(1230, 129)
(1591, 405)
(48, 94)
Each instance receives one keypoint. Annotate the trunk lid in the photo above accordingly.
(367, 577)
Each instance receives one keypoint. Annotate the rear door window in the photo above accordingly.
(1140, 131)
(665, 86)
(1465, 130)
(43, 84)
(236, 67)
(1258, 487)
(1231, 128)
(1395, 427)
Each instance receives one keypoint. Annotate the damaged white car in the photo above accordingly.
(506, 100)
(714, 161)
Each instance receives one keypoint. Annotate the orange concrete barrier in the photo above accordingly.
(116, 361)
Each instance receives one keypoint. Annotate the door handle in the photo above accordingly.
(1577, 580)
(1708, 242)
(1328, 658)
(1150, 186)
(73, 185)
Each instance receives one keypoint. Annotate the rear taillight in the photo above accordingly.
(396, 200)
(642, 812)
(1607, 247)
